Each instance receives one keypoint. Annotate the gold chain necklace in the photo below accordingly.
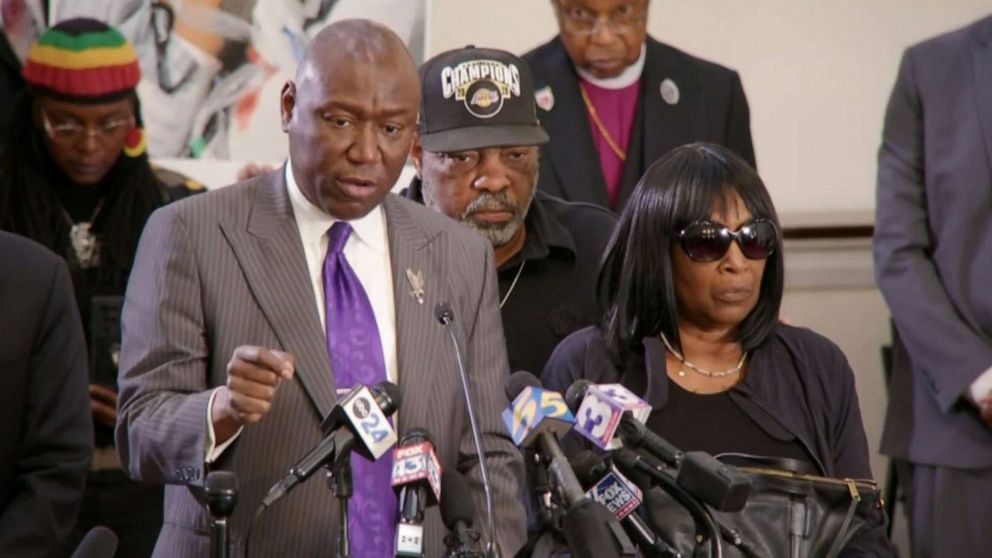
(599, 126)
(513, 284)
(708, 373)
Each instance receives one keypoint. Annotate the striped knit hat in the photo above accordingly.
(82, 60)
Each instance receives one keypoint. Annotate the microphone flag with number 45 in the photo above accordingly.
(534, 411)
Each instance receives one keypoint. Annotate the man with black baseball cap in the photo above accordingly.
(476, 158)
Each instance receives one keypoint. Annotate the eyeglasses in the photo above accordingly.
(577, 20)
(70, 133)
(708, 241)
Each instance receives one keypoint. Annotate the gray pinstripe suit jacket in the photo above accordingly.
(226, 269)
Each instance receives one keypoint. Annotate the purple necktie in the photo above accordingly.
(355, 350)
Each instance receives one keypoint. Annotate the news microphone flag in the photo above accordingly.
(617, 493)
(372, 430)
(601, 410)
(415, 463)
(535, 411)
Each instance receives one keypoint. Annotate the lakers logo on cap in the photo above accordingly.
(482, 85)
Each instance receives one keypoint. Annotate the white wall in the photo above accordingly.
(817, 73)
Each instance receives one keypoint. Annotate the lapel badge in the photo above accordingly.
(669, 91)
(545, 98)
(416, 281)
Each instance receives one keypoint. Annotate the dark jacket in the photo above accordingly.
(799, 386)
(933, 247)
(711, 107)
(46, 434)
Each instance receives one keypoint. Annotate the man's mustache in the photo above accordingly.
(490, 202)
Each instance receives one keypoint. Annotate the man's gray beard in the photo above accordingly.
(497, 234)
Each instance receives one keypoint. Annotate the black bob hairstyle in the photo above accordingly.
(635, 291)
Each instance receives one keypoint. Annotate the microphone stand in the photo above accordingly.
(222, 496)
(340, 482)
(548, 516)
(446, 316)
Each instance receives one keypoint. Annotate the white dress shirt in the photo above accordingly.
(367, 252)
(980, 387)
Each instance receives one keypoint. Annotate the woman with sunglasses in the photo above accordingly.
(690, 290)
(75, 177)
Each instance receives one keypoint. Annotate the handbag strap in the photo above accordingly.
(784, 463)
(838, 543)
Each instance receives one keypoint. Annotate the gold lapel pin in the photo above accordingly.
(416, 281)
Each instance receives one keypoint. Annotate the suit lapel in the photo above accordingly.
(983, 84)
(572, 153)
(414, 249)
(665, 126)
(271, 255)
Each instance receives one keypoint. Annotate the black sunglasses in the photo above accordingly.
(708, 241)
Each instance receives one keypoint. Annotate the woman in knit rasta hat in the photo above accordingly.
(75, 177)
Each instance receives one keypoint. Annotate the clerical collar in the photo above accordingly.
(628, 76)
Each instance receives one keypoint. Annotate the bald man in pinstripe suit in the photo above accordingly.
(225, 363)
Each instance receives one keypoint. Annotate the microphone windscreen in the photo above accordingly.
(720, 485)
(576, 392)
(416, 436)
(588, 467)
(99, 542)
(519, 381)
(388, 396)
(456, 504)
(221, 483)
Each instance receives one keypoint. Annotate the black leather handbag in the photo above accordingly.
(789, 513)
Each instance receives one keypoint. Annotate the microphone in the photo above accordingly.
(416, 478)
(608, 410)
(539, 417)
(723, 487)
(446, 316)
(599, 410)
(357, 423)
(633, 465)
(609, 487)
(593, 532)
(222, 495)
(99, 542)
(646, 476)
(457, 515)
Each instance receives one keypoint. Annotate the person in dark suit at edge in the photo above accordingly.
(45, 420)
(476, 157)
(252, 307)
(613, 100)
(933, 264)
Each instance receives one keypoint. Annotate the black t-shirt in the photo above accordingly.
(715, 424)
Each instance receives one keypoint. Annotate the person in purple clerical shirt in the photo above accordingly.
(613, 100)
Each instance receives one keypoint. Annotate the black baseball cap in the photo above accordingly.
(477, 97)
